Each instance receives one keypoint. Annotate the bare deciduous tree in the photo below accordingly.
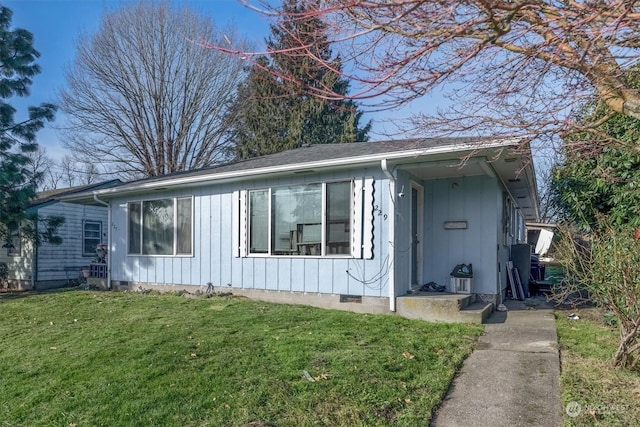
(90, 173)
(144, 97)
(514, 67)
(71, 171)
(67, 171)
(40, 165)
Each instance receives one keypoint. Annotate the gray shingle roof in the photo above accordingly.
(324, 152)
(52, 195)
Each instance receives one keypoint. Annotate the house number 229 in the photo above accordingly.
(377, 209)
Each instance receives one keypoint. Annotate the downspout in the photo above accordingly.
(108, 205)
(392, 234)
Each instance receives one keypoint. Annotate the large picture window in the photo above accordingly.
(91, 237)
(160, 227)
(311, 220)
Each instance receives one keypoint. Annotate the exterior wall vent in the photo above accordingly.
(351, 298)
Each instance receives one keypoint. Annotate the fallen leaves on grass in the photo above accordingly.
(407, 355)
(307, 375)
(322, 377)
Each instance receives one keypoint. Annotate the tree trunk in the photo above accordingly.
(627, 343)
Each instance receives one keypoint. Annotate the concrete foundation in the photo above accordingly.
(439, 307)
(16, 285)
(364, 304)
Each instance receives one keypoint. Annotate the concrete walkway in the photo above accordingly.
(511, 378)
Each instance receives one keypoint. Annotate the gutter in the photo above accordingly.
(392, 234)
(108, 205)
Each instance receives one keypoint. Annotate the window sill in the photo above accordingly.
(292, 256)
(158, 256)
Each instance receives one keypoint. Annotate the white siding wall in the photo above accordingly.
(55, 262)
(214, 257)
(20, 267)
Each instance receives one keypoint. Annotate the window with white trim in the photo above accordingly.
(301, 220)
(91, 237)
(160, 227)
(14, 242)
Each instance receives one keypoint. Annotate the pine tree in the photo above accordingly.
(17, 181)
(276, 109)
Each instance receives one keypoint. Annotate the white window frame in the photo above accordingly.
(175, 227)
(245, 222)
(84, 236)
(15, 235)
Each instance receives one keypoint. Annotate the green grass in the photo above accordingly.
(607, 396)
(95, 358)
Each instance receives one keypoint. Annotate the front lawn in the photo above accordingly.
(100, 358)
(594, 393)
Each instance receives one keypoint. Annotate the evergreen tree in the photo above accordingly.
(276, 109)
(601, 182)
(17, 180)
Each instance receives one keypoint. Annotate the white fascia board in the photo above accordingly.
(330, 163)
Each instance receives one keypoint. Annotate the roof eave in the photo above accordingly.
(292, 168)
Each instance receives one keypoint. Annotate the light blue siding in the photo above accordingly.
(54, 262)
(297, 274)
(213, 257)
(339, 278)
(284, 274)
(475, 199)
(470, 199)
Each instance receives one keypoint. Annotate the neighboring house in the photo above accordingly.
(50, 266)
(350, 226)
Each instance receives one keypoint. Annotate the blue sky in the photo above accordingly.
(56, 25)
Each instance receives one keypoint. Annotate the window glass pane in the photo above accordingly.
(15, 243)
(338, 225)
(297, 220)
(92, 232)
(184, 226)
(259, 222)
(157, 231)
(134, 227)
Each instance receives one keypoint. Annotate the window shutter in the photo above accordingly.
(363, 214)
(356, 237)
(368, 215)
(239, 223)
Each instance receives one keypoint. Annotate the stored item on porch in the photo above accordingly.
(462, 270)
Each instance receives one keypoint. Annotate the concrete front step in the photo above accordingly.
(478, 312)
(457, 308)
